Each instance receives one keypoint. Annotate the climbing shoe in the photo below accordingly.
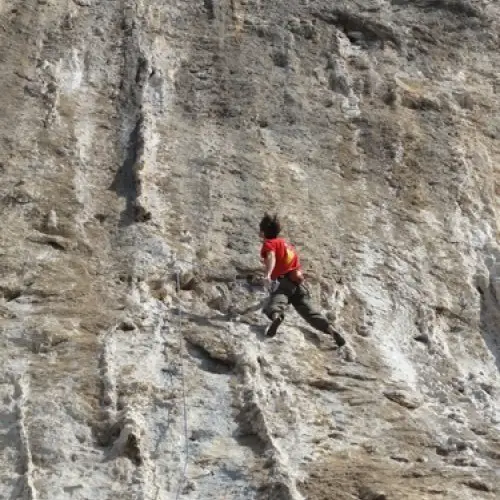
(277, 319)
(339, 339)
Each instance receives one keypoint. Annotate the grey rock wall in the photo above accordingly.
(140, 143)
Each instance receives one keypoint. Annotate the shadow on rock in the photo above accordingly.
(125, 182)
(489, 320)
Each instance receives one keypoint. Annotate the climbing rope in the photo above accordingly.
(184, 402)
(185, 407)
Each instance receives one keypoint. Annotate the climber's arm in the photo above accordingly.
(269, 262)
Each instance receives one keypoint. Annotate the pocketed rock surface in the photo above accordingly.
(140, 143)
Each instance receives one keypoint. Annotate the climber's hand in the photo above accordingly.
(267, 281)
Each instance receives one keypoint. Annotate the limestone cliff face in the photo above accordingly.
(141, 143)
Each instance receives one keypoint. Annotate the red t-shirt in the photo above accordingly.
(286, 257)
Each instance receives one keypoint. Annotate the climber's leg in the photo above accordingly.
(301, 300)
(278, 302)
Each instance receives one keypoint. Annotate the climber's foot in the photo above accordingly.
(339, 339)
(277, 319)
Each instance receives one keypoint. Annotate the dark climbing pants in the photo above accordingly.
(300, 298)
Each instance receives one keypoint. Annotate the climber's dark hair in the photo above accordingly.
(270, 226)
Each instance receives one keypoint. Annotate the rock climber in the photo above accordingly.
(283, 274)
